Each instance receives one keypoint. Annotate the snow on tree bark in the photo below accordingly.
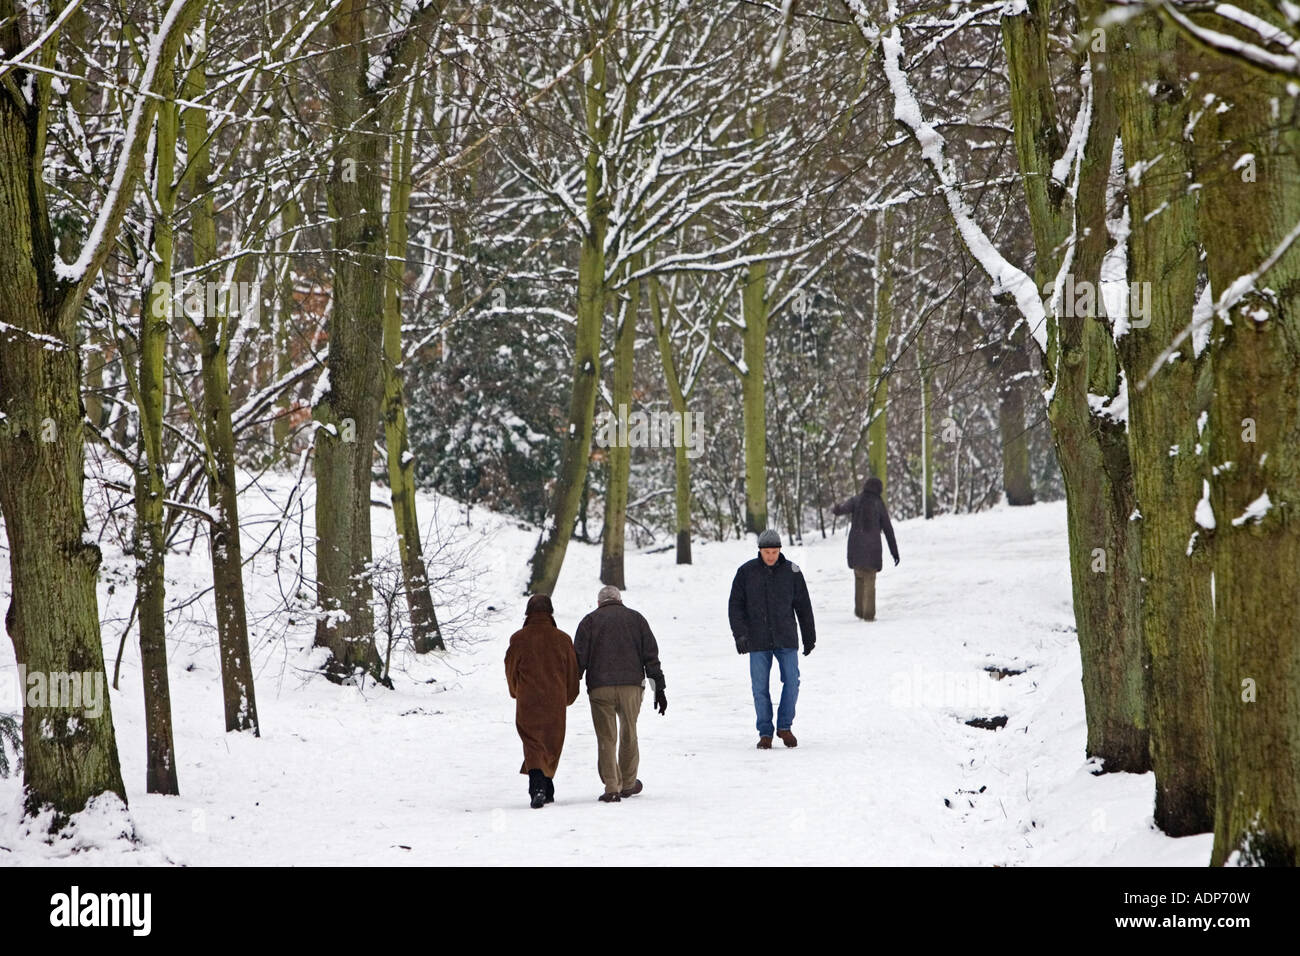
(239, 699)
(53, 617)
(1247, 217)
(425, 633)
(1163, 256)
(566, 495)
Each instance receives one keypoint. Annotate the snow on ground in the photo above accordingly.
(886, 771)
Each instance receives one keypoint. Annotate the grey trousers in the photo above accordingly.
(864, 594)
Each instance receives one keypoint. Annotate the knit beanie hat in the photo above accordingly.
(769, 539)
(608, 595)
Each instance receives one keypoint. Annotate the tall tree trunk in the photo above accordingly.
(753, 350)
(753, 389)
(1247, 143)
(682, 503)
(215, 330)
(1091, 449)
(281, 427)
(620, 454)
(69, 754)
(877, 430)
(150, 482)
(1013, 363)
(348, 411)
(927, 432)
(681, 459)
(425, 633)
(614, 533)
(567, 495)
(1163, 263)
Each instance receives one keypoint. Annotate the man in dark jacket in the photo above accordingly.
(768, 593)
(870, 518)
(617, 651)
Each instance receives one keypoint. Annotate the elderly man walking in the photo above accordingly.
(767, 595)
(617, 651)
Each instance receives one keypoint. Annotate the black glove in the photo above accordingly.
(742, 645)
(895, 560)
(808, 649)
(661, 702)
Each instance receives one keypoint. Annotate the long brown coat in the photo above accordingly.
(542, 674)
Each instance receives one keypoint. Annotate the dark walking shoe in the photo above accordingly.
(550, 790)
(608, 798)
(539, 799)
(764, 743)
(632, 791)
(787, 738)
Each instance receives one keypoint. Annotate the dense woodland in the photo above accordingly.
(986, 252)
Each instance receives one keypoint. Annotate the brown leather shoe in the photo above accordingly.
(764, 743)
(632, 791)
(787, 738)
(608, 798)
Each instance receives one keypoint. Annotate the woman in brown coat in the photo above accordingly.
(542, 674)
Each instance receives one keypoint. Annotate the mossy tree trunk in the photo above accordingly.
(613, 539)
(753, 390)
(755, 316)
(567, 493)
(1163, 264)
(878, 429)
(1091, 448)
(663, 320)
(927, 431)
(425, 633)
(215, 331)
(1013, 366)
(348, 412)
(1247, 146)
(69, 754)
(282, 426)
(150, 542)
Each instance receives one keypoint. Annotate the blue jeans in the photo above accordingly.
(760, 672)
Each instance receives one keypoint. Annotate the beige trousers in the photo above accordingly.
(864, 594)
(613, 713)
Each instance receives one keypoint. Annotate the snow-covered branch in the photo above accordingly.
(162, 50)
(1006, 277)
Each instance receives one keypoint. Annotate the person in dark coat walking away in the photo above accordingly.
(767, 595)
(870, 518)
(617, 652)
(542, 674)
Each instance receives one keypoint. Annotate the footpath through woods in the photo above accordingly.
(887, 770)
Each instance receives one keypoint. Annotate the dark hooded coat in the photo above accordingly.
(870, 518)
(542, 674)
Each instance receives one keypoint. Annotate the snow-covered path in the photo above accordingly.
(886, 771)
